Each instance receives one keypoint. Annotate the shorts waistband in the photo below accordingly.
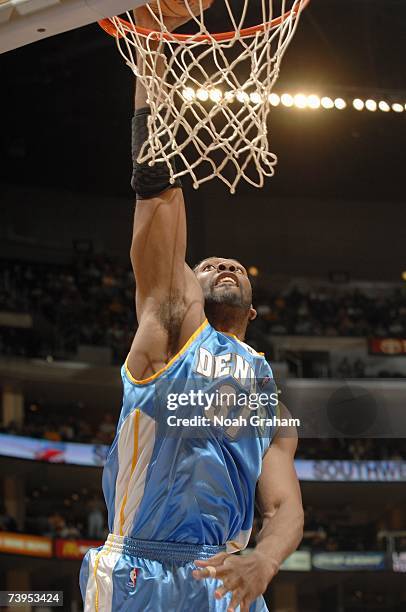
(178, 552)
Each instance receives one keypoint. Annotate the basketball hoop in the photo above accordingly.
(212, 103)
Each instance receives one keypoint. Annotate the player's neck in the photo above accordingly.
(228, 319)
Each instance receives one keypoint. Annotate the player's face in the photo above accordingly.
(224, 281)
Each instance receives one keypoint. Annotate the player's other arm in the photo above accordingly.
(280, 500)
(169, 300)
(248, 576)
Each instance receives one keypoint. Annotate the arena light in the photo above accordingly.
(255, 97)
(215, 95)
(327, 102)
(313, 101)
(274, 99)
(188, 94)
(287, 100)
(371, 105)
(253, 271)
(202, 94)
(358, 104)
(242, 97)
(300, 100)
(340, 104)
(384, 106)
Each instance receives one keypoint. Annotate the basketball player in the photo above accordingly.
(181, 499)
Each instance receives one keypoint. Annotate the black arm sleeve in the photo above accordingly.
(147, 181)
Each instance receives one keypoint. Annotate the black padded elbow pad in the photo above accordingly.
(148, 181)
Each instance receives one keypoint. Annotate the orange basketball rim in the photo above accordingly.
(109, 26)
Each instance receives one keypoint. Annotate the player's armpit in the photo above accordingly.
(161, 335)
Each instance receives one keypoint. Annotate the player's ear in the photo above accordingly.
(253, 314)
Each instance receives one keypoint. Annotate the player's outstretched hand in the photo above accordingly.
(246, 577)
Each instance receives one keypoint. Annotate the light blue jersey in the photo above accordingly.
(182, 471)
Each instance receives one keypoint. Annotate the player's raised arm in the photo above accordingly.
(169, 299)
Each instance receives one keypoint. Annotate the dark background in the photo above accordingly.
(338, 194)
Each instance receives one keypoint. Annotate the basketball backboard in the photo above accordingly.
(27, 21)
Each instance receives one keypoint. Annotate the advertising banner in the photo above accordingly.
(53, 452)
(387, 346)
(22, 544)
(348, 561)
(351, 471)
(299, 561)
(74, 549)
(95, 455)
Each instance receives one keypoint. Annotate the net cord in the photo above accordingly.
(234, 127)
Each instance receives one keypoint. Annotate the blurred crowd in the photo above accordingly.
(333, 312)
(356, 368)
(87, 521)
(355, 449)
(61, 425)
(7, 521)
(81, 515)
(340, 528)
(91, 302)
(84, 516)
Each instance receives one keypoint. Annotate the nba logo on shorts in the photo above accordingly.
(133, 578)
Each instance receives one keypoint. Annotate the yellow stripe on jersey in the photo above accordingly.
(242, 343)
(133, 464)
(170, 362)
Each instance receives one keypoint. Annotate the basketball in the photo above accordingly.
(178, 8)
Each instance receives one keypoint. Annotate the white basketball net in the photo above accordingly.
(212, 103)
